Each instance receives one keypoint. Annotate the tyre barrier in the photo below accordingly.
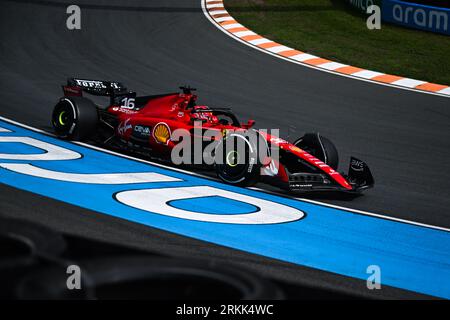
(19, 238)
(34, 263)
(23, 247)
(142, 277)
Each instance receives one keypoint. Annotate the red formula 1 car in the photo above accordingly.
(148, 125)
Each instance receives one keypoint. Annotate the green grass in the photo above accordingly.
(332, 29)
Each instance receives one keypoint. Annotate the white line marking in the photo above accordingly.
(4, 130)
(51, 152)
(367, 74)
(217, 5)
(410, 83)
(91, 178)
(445, 94)
(233, 25)
(156, 201)
(257, 42)
(303, 57)
(241, 34)
(332, 65)
(222, 19)
(445, 91)
(209, 178)
(217, 12)
(278, 49)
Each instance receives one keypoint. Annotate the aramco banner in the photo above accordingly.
(416, 16)
(409, 15)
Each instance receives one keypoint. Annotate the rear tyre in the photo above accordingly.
(75, 118)
(148, 277)
(320, 147)
(236, 160)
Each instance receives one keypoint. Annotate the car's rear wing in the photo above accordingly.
(76, 87)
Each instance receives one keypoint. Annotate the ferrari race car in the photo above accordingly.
(157, 125)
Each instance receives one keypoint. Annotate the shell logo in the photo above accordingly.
(224, 132)
(161, 133)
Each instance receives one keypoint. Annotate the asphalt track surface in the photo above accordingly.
(154, 46)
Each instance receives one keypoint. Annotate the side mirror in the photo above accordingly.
(249, 124)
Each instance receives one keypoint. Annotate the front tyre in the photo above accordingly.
(320, 147)
(236, 158)
(75, 118)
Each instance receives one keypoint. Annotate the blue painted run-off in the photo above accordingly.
(410, 257)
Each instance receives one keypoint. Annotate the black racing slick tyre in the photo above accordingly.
(75, 118)
(320, 147)
(147, 277)
(236, 160)
(25, 246)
